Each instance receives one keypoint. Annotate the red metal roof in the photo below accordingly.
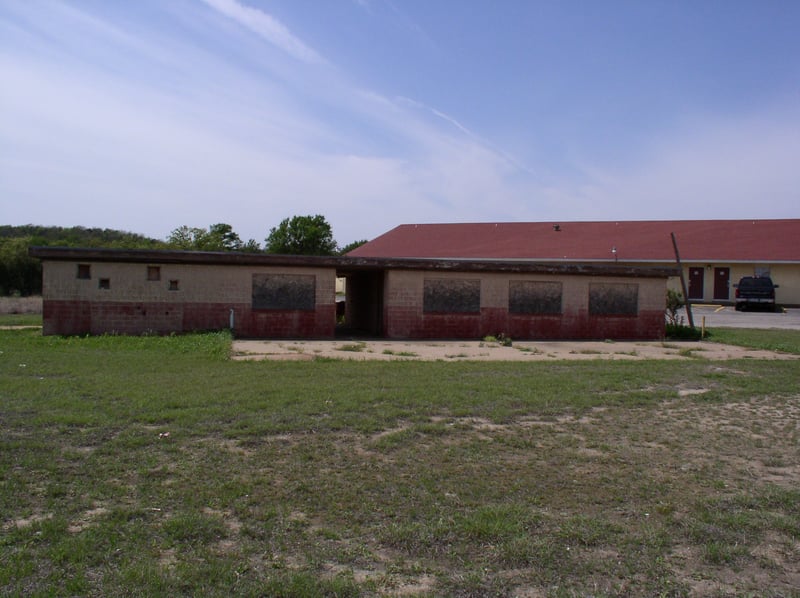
(766, 241)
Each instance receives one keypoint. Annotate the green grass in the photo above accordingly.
(20, 319)
(157, 466)
(787, 341)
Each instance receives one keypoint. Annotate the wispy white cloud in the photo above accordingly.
(489, 147)
(399, 20)
(228, 143)
(434, 111)
(267, 27)
(189, 136)
(136, 158)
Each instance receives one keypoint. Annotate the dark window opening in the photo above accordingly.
(530, 297)
(613, 299)
(153, 272)
(104, 283)
(84, 271)
(451, 296)
(285, 291)
(173, 285)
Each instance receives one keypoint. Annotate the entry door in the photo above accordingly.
(722, 277)
(696, 283)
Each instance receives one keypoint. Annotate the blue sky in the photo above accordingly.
(148, 115)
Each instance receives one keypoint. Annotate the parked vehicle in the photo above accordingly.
(755, 291)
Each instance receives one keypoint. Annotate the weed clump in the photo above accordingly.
(682, 332)
(501, 339)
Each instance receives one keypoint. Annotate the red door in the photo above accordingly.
(696, 283)
(722, 277)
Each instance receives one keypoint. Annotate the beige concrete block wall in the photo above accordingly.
(196, 283)
(788, 277)
(405, 288)
(404, 317)
(785, 275)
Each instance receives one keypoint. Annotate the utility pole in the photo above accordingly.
(683, 281)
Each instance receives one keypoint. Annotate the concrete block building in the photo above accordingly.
(440, 299)
(715, 254)
(95, 291)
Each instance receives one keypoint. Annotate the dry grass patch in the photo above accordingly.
(347, 478)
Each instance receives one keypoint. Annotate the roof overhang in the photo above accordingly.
(170, 256)
(344, 264)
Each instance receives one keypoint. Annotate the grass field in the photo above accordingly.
(20, 319)
(156, 466)
(773, 339)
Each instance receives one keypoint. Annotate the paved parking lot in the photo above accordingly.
(719, 316)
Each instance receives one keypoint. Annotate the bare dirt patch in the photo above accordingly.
(24, 522)
(388, 350)
(87, 519)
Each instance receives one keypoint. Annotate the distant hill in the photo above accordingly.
(79, 236)
(22, 275)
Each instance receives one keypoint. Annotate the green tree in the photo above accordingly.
(221, 237)
(218, 237)
(302, 235)
(185, 237)
(351, 246)
(79, 236)
(19, 273)
(251, 246)
(675, 303)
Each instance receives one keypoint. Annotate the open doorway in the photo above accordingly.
(363, 310)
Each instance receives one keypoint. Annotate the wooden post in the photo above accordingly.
(683, 281)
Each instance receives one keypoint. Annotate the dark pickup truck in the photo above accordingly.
(755, 291)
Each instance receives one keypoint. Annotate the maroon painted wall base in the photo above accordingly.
(409, 323)
(85, 317)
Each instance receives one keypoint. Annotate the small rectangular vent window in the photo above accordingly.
(153, 272)
(173, 285)
(104, 283)
(84, 271)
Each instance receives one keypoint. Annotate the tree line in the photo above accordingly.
(22, 275)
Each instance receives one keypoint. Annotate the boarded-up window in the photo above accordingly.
(534, 297)
(613, 299)
(84, 271)
(284, 291)
(153, 272)
(451, 296)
